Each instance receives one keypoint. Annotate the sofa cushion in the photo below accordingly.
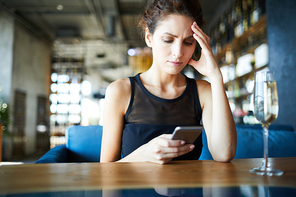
(280, 143)
(277, 127)
(57, 154)
(250, 144)
(84, 143)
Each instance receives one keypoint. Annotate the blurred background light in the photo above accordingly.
(63, 98)
(74, 98)
(131, 52)
(53, 98)
(74, 88)
(63, 88)
(63, 78)
(74, 119)
(74, 109)
(62, 108)
(86, 87)
(53, 87)
(53, 108)
(54, 77)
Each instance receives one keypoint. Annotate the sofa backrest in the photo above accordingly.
(84, 143)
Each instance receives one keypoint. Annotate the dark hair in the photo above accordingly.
(160, 9)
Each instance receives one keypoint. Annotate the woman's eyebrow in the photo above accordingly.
(167, 33)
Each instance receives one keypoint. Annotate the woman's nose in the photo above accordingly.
(177, 50)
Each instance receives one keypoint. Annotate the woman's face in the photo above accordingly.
(172, 43)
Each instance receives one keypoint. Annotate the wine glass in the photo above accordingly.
(266, 111)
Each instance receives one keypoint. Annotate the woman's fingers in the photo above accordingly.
(201, 33)
(165, 141)
(169, 153)
(163, 149)
(202, 43)
(179, 149)
(201, 37)
(198, 32)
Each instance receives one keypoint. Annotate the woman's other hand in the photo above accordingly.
(207, 64)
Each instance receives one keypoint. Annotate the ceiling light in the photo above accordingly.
(131, 52)
(60, 7)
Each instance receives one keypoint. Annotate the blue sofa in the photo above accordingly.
(83, 144)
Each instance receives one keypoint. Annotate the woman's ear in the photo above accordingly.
(148, 38)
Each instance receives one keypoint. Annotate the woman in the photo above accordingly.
(141, 112)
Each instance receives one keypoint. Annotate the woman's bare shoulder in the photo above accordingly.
(118, 94)
(203, 85)
(204, 91)
(119, 86)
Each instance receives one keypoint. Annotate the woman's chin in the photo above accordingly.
(174, 71)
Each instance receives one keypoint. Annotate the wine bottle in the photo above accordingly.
(233, 13)
(239, 22)
(223, 29)
(213, 42)
(229, 27)
(251, 11)
(233, 20)
(262, 7)
(245, 15)
(218, 38)
(221, 26)
(216, 32)
(256, 11)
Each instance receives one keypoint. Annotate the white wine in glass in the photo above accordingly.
(266, 108)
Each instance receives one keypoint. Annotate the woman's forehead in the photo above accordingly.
(174, 24)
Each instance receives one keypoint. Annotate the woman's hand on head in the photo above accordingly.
(162, 149)
(207, 64)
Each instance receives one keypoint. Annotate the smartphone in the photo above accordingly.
(187, 133)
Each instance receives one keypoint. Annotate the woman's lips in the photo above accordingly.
(176, 63)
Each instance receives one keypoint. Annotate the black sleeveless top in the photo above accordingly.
(149, 116)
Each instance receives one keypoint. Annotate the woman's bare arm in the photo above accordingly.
(115, 104)
(218, 122)
(217, 117)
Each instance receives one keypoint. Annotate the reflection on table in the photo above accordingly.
(245, 191)
(179, 178)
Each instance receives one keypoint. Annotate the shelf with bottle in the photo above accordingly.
(242, 86)
(239, 44)
(246, 75)
(237, 59)
(242, 25)
(251, 39)
(246, 43)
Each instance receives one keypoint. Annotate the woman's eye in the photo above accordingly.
(188, 43)
(168, 41)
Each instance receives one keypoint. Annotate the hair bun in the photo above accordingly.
(160, 9)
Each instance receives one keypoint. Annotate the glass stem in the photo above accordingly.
(265, 144)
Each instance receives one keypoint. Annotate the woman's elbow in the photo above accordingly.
(107, 158)
(227, 156)
(223, 159)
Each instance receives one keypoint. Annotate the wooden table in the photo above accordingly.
(30, 178)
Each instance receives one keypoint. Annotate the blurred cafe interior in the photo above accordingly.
(58, 56)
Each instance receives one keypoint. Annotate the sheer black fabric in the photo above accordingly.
(149, 116)
(146, 108)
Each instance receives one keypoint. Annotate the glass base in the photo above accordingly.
(266, 171)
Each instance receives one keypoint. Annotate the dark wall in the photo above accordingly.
(281, 35)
